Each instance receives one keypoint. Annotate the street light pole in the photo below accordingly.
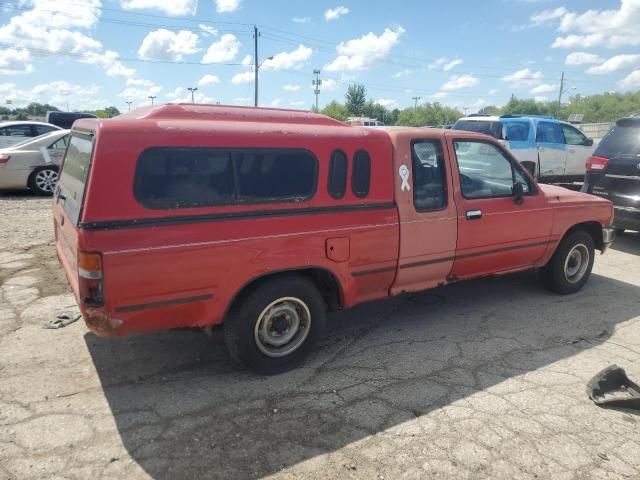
(152, 97)
(192, 90)
(257, 68)
(129, 104)
(415, 100)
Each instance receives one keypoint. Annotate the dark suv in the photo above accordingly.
(613, 172)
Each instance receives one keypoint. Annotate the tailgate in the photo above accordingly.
(620, 182)
(68, 202)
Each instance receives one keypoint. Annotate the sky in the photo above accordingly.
(90, 54)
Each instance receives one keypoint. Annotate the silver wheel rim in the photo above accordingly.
(282, 327)
(576, 263)
(46, 180)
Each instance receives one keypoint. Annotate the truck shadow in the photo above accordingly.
(184, 411)
(629, 242)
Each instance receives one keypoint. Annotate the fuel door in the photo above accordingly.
(338, 249)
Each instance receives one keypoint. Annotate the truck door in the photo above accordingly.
(496, 233)
(552, 150)
(428, 221)
(579, 149)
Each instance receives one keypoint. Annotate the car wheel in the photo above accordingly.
(42, 181)
(571, 264)
(275, 326)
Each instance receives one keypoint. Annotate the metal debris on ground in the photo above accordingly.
(612, 388)
(62, 320)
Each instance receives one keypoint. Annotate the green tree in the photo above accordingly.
(335, 110)
(428, 114)
(355, 99)
(112, 111)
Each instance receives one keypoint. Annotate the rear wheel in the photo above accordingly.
(42, 181)
(571, 264)
(275, 326)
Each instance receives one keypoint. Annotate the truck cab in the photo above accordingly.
(262, 220)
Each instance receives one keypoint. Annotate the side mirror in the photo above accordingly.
(518, 193)
(588, 142)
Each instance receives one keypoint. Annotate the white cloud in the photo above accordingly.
(582, 58)
(335, 13)
(523, 78)
(613, 64)
(631, 81)
(244, 77)
(208, 79)
(276, 102)
(138, 82)
(540, 98)
(182, 95)
(402, 73)
(223, 50)
(451, 64)
(387, 102)
(208, 30)
(612, 28)
(170, 7)
(242, 100)
(438, 63)
(109, 62)
(247, 60)
(288, 60)
(493, 91)
(300, 103)
(460, 81)
(439, 95)
(15, 62)
(365, 52)
(544, 88)
(53, 26)
(301, 19)
(328, 84)
(547, 16)
(140, 95)
(166, 45)
(57, 93)
(291, 88)
(227, 6)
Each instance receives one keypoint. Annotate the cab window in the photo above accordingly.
(573, 135)
(548, 132)
(429, 184)
(485, 171)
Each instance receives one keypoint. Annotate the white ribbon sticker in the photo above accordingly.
(404, 175)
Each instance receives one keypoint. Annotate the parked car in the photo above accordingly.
(66, 119)
(553, 151)
(265, 219)
(613, 172)
(18, 131)
(34, 163)
(363, 122)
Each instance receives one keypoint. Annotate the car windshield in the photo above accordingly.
(621, 140)
(492, 128)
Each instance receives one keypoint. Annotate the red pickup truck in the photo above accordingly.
(194, 215)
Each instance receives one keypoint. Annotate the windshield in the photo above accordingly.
(492, 128)
(620, 141)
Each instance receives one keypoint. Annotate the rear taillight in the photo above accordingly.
(4, 158)
(90, 278)
(597, 163)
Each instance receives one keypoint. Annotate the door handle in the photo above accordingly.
(474, 214)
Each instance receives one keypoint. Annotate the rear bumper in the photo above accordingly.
(626, 217)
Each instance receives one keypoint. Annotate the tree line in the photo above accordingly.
(606, 107)
(40, 110)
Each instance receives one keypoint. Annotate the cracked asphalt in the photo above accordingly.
(484, 379)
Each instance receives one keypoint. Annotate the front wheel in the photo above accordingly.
(571, 264)
(42, 181)
(276, 325)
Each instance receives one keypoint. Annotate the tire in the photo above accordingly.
(568, 270)
(42, 181)
(266, 315)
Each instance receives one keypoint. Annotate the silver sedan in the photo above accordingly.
(33, 164)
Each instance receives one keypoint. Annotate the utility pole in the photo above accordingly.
(129, 104)
(316, 83)
(465, 111)
(192, 90)
(560, 95)
(152, 97)
(415, 102)
(255, 64)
